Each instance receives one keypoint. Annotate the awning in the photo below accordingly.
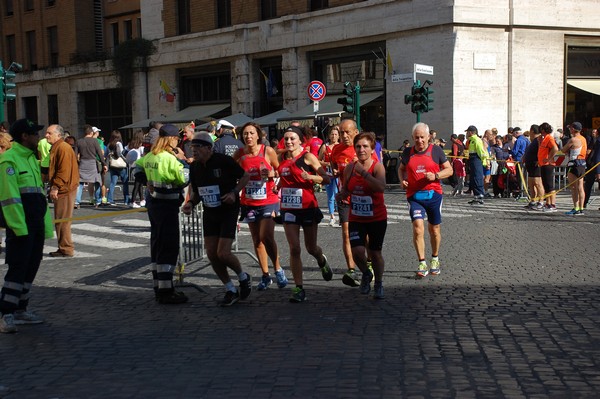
(271, 119)
(329, 107)
(236, 120)
(141, 124)
(196, 112)
(589, 85)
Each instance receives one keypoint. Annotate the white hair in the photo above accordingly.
(420, 126)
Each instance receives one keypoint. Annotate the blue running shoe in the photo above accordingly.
(265, 282)
(282, 280)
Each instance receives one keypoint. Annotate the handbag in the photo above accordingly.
(117, 163)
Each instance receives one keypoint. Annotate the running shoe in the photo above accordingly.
(230, 298)
(378, 294)
(7, 324)
(423, 270)
(298, 295)
(435, 267)
(172, 298)
(572, 212)
(245, 287)
(265, 282)
(579, 212)
(476, 201)
(27, 317)
(365, 282)
(326, 270)
(282, 280)
(350, 279)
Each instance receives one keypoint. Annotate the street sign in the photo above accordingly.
(402, 77)
(316, 90)
(316, 107)
(424, 69)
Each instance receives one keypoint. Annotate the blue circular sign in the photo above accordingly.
(316, 90)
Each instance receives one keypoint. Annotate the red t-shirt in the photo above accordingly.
(296, 192)
(257, 192)
(366, 205)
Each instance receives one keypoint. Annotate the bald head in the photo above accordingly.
(348, 131)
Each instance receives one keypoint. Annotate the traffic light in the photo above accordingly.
(348, 100)
(427, 99)
(7, 84)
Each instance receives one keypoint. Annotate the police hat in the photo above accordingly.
(168, 130)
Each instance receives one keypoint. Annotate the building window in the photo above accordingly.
(28, 5)
(318, 4)
(128, 29)
(223, 13)
(184, 24)
(9, 8)
(107, 109)
(115, 34)
(205, 86)
(50, 3)
(53, 46)
(138, 27)
(11, 50)
(52, 108)
(268, 9)
(31, 108)
(31, 50)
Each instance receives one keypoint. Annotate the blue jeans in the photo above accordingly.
(96, 198)
(476, 175)
(115, 174)
(332, 190)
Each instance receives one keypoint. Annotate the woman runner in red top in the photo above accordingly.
(364, 182)
(299, 170)
(259, 203)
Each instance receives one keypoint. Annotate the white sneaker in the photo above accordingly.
(135, 205)
(27, 317)
(332, 222)
(7, 324)
(143, 203)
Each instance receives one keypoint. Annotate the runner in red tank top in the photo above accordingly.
(364, 183)
(259, 202)
(298, 172)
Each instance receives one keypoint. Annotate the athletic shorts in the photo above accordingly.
(250, 214)
(302, 217)
(547, 174)
(374, 230)
(220, 223)
(576, 170)
(343, 211)
(431, 207)
(533, 170)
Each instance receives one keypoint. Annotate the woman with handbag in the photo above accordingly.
(117, 167)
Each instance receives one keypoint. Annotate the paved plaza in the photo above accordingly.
(513, 314)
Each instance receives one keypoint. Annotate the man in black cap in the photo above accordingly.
(25, 215)
(478, 159)
(216, 180)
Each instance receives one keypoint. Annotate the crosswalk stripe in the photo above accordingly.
(103, 242)
(78, 253)
(112, 230)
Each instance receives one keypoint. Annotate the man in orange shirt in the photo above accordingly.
(546, 152)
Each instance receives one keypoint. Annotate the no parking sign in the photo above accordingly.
(316, 90)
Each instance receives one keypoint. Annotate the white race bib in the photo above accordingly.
(256, 190)
(211, 196)
(291, 198)
(362, 206)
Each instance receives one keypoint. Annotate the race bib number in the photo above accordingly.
(211, 196)
(362, 206)
(291, 198)
(256, 190)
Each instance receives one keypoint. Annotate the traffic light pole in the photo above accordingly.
(357, 101)
(1, 92)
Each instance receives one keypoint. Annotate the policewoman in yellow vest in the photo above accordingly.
(27, 221)
(167, 176)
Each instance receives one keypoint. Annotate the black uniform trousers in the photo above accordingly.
(164, 241)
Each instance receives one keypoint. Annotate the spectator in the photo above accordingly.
(5, 144)
(593, 161)
(63, 175)
(546, 152)
(520, 145)
(135, 150)
(91, 163)
(478, 159)
(421, 171)
(117, 167)
(534, 180)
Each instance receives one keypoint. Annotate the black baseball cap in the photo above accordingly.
(24, 126)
